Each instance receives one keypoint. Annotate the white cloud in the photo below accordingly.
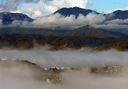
(111, 26)
(70, 3)
(114, 24)
(70, 22)
(1, 24)
(58, 20)
(36, 14)
(126, 8)
(94, 18)
(16, 11)
(46, 7)
(8, 5)
(117, 21)
(40, 6)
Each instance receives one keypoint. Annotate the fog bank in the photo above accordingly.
(20, 76)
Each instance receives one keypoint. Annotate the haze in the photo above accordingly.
(15, 77)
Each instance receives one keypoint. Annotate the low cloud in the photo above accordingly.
(13, 78)
(57, 20)
(117, 21)
(66, 57)
(114, 24)
(111, 26)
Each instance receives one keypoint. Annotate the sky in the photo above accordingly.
(109, 5)
(37, 8)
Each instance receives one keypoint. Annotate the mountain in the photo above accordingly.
(88, 31)
(84, 31)
(123, 31)
(8, 17)
(38, 31)
(119, 14)
(27, 41)
(77, 38)
(74, 11)
(121, 46)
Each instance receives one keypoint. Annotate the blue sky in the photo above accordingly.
(108, 5)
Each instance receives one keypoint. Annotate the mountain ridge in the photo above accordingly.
(8, 17)
(117, 14)
(120, 14)
(74, 11)
(84, 31)
(89, 31)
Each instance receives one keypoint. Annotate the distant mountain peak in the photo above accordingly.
(8, 17)
(119, 14)
(74, 11)
(77, 8)
(90, 31)
(121, 11)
